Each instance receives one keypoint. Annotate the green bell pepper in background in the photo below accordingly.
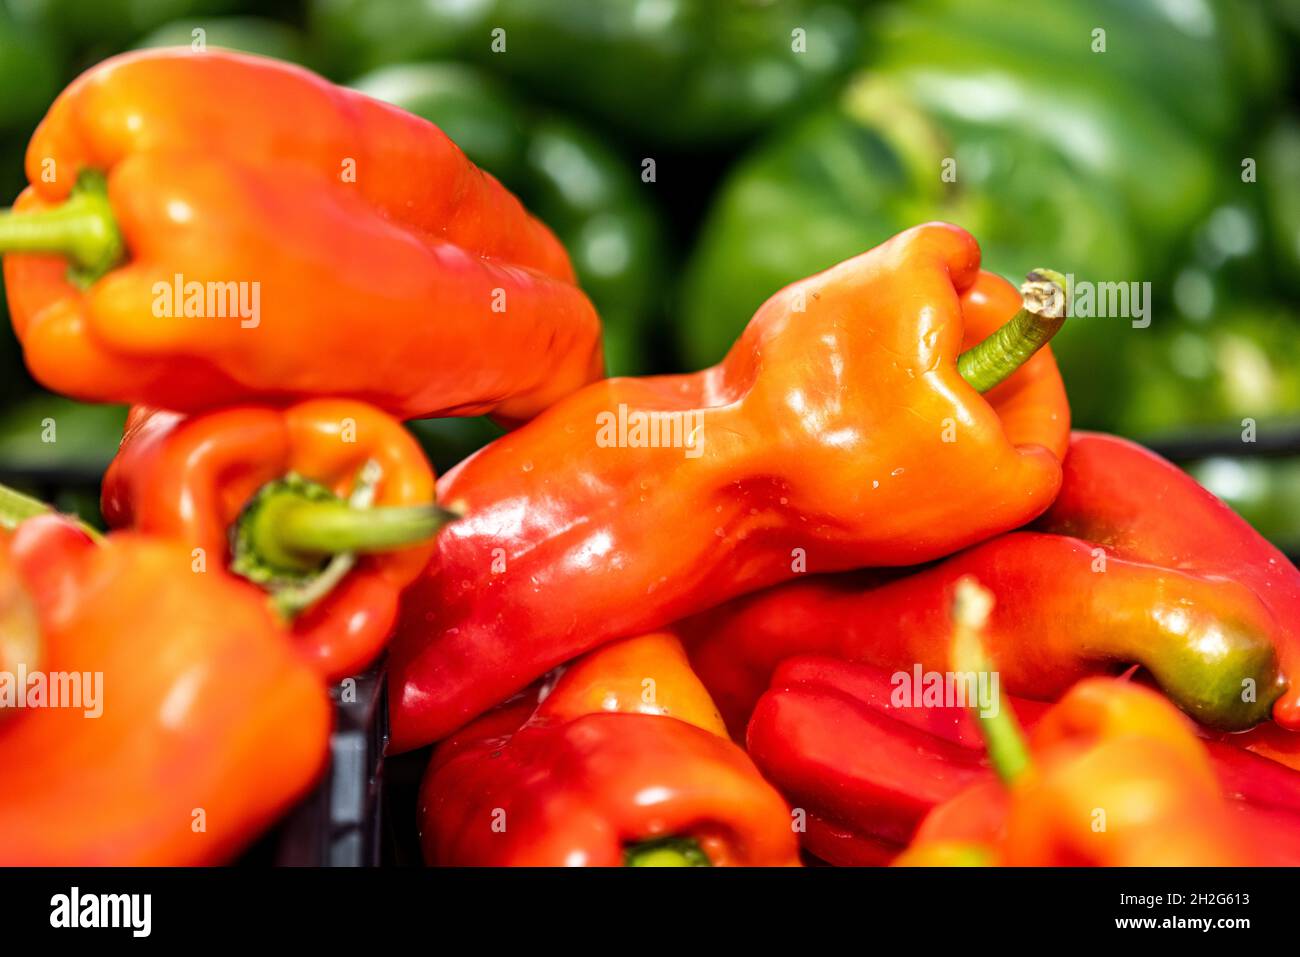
(1198, 62)
(1159, 116)
(851, 176)
(56, 449)
(1113, 113)
(106, 26)
(1286, 13)
(599, 207)
(1061, 156)
(245, 34)
(1278, 175)
(1244, 362)
(1231, 349)
(49, 433)
(676, 72)
(31, 64)
(592, 197)
(449, 441)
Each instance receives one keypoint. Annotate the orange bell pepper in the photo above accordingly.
(239, 229)
(841, 431)
(280, 478)
(625, 760)
(209, 727)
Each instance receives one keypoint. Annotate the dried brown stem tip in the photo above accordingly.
(1044, 305)
(1044, 294)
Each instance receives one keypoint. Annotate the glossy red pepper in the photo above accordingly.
(839, 432)
(624, 761)
(1133, 563)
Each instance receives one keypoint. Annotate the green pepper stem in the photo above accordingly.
(293, 525)
(667, 852)
(16, 508)
(1003, 738)
(328, 528)
(298, 540)
(83, 229)
(1045, 296)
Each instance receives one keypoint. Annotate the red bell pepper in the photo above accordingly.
(624, 761)
(866, 773)
(1134, 563)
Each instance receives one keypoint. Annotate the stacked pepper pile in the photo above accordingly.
(662, 620)
(210, 238)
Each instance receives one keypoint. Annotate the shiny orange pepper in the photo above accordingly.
(383, 261)
(624, 761)
(209, 724)
(838, 433)
(626, 677)
(193, 479)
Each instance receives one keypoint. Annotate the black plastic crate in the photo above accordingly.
(339, 824)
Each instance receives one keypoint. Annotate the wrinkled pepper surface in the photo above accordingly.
(207, 228)
(624, 761)
(1134, 563)
(842, 742)
(680, 72)
(837, 433)
(248, 468)
(209, 725)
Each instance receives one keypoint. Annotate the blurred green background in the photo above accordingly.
(696, 155)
